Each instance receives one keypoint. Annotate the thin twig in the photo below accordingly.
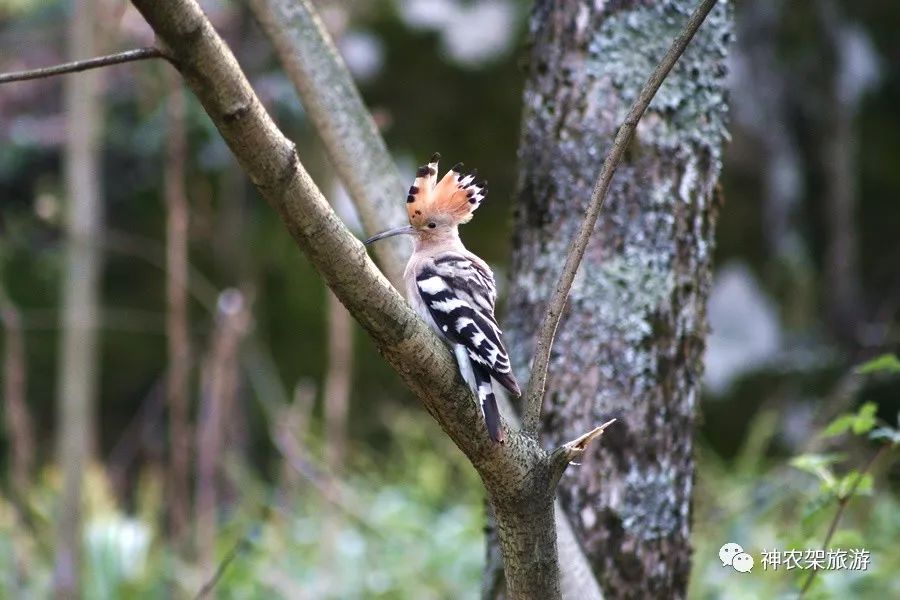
(842, 505)
(537, 383)
(327, 484)
(83, 65)
(220, 384)
(283, 431)
(241, 545)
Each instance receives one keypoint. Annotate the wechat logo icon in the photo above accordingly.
(733, 555)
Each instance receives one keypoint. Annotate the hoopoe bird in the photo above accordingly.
(452, 289)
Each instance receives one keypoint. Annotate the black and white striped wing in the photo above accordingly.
(460, 295)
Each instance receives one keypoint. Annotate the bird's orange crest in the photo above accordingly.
(453, 198)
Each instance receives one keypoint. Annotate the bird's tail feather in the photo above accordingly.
(485, 393)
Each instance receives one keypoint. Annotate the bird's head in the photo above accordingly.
(435, 209)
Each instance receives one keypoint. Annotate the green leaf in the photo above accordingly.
(848, 486)
(812, 510)
(840, 425)
(865, 418)
(888, 363)
(818, 465)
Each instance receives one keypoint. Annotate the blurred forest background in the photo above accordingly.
(316, 474)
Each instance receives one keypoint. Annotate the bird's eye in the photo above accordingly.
(432, 225)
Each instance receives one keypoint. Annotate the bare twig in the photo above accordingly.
(537, 383)
(286, 430)
(568, 452)
(580, 444)
(154, 253)
(83, 65)
(325, 483)
(148, 419)
(240, 546)
(842, 505)
(220, 376)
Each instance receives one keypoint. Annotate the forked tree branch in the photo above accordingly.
(362, 160)
(270, 160)
(534, 394)
(517, 474)
(83, 65)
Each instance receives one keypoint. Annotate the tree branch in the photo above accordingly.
(240, 546)
(534, 394)
(576, 578)
(515, 474)
(570, 451)
(842, 505)
(270, 160)
(351, 138)
(363, 162)
(83, 65)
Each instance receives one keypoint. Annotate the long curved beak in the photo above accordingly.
(407, 229)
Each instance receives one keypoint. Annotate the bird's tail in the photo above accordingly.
(485, 392)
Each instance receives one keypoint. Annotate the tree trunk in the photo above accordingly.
(855, 72)
(631, 342)
(15, 405)
(177, 320)
(78, 365)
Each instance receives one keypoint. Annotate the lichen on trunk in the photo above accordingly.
(631, 341)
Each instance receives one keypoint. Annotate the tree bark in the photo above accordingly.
(78, 367)
(631, 340)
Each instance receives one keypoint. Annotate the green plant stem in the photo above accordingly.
(842, 505)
